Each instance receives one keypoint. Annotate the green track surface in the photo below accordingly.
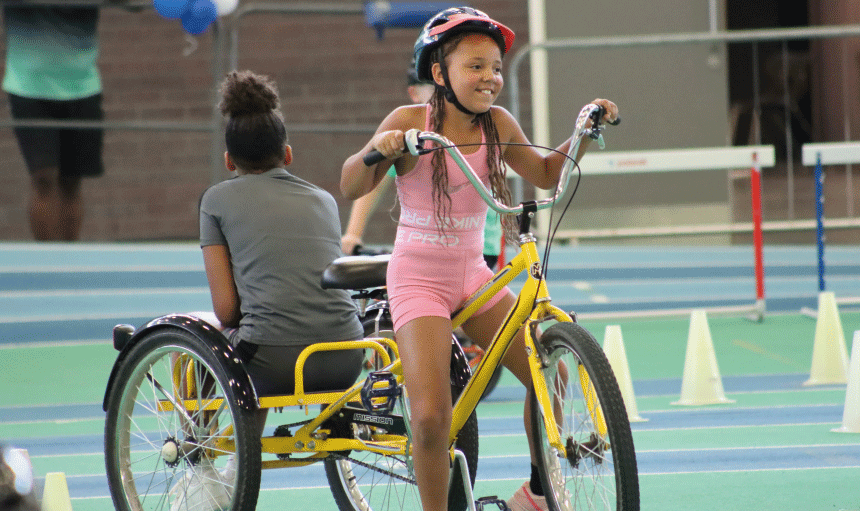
(779, 345)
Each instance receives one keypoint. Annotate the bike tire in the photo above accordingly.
(140, 468)
(600, 472)
(377, 323)
(366, 481)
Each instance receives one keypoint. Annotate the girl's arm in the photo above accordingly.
(359, 214)
(357, 179)
(225, 297)
(538, 169)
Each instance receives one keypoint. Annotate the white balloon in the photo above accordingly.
(225, 7)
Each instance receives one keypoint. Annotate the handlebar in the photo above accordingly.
(415, 139)
(372, 158)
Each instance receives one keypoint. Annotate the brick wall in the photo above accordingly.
(331, 70)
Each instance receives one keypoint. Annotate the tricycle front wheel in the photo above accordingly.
(175, 437)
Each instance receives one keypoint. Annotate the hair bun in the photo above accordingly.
(247, 93)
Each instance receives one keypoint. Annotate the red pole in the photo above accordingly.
(501, 262)
(755, 184)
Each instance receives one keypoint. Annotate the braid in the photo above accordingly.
(498, 170)
(441, 198)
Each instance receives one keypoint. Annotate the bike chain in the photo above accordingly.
(371, 467)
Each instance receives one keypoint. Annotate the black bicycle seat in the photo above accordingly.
(356, 272)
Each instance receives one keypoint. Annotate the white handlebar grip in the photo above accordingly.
(412, 142)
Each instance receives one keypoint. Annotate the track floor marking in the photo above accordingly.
(773, 469)
(174, 291)
(769, 354)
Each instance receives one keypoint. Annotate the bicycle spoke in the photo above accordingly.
(180, 409)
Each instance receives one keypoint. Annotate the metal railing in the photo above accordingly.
(755, 37)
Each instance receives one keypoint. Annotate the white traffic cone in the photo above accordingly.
(55, 496)
(613, 346)
(702, 383)
(851, 414)
(829, 355)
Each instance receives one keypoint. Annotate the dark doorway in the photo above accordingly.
(783, 81)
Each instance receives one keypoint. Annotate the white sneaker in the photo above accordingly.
(200, 489)
(228, 473)
(525, 500)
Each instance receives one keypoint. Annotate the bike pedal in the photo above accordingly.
(283, 430)
(492, 499)
(377, 398)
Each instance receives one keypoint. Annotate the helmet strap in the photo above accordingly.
(449, 92)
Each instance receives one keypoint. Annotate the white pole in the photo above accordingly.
(540, 89)
(712, 15)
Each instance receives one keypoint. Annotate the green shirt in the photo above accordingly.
(51, 52)
(492, 234)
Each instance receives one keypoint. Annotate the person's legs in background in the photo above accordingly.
(57, 160)
(55, 206)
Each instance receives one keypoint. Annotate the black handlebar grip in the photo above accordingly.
(597, 116)
(372, 158)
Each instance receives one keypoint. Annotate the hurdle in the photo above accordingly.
(819, 155)
(684, 160)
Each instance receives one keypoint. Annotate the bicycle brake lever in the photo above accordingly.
(595, 134)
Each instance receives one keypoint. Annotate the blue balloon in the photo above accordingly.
(198, 16)
(170, 9)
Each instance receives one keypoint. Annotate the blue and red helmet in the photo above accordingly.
(452, 21)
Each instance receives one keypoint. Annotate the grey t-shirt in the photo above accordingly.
(281, 232)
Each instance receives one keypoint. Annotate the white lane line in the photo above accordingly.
(738, 448)
(73, 268)
(76, 420)
(82, 317)
(55, 344)
(692, 428)
(746, 470)
(54, 293)
(666, 282)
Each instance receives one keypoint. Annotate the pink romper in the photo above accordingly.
(432, 274)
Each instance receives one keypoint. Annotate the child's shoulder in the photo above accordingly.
(501, 115)
(504, 121)
(410, 115)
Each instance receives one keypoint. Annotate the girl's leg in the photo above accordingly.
(481, 329)
(425, 352)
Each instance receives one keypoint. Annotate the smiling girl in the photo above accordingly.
(437, 258)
